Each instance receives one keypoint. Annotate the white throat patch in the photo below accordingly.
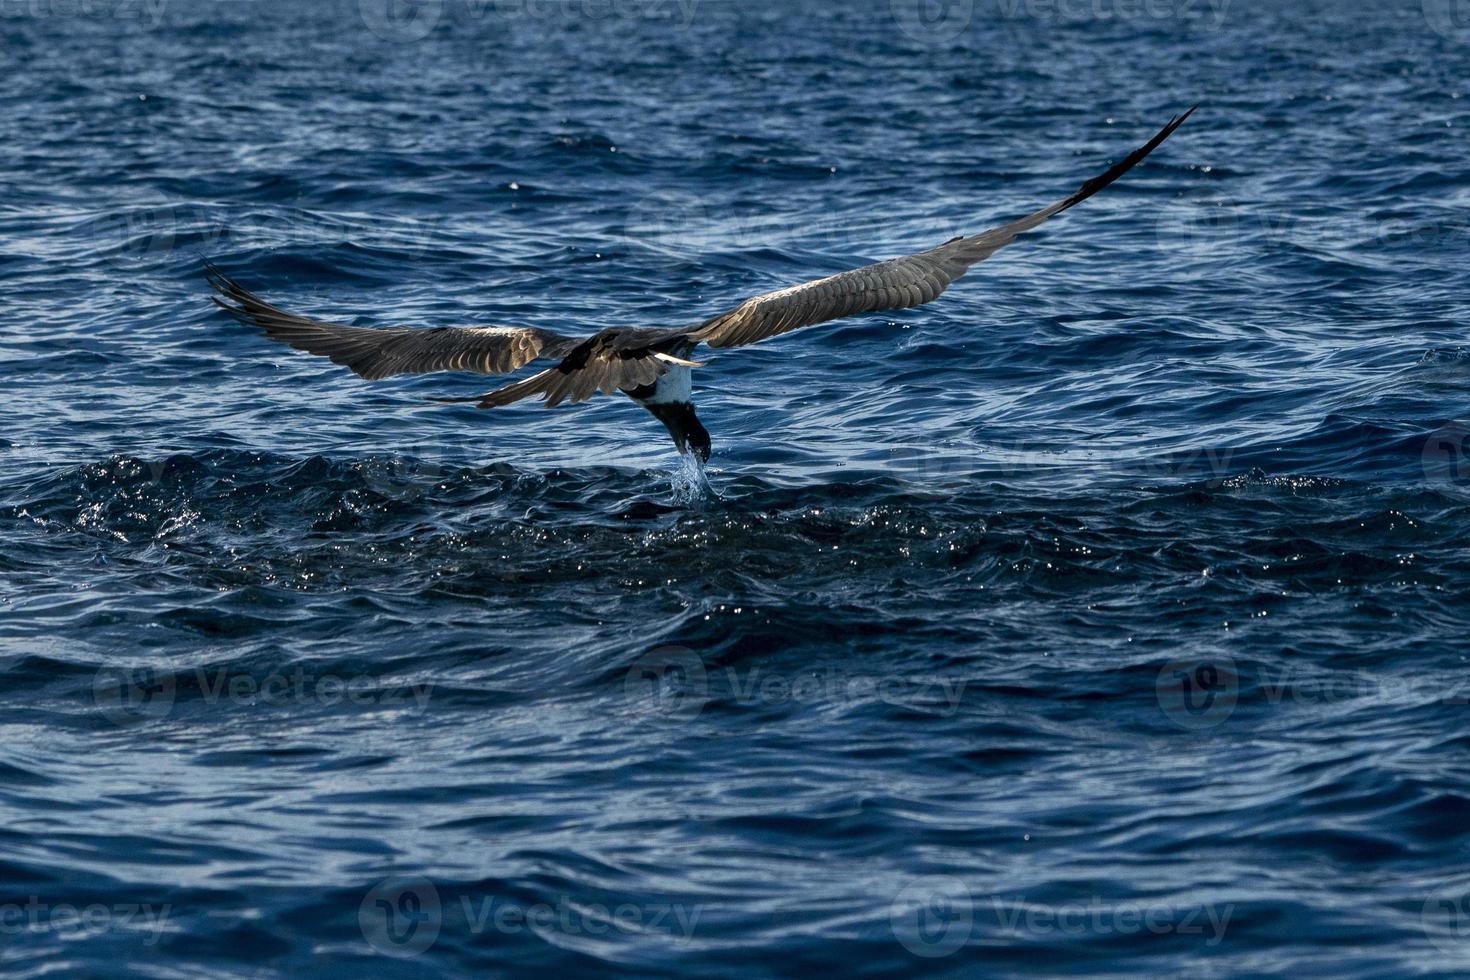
(672, 386)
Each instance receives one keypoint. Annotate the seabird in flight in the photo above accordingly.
(651, 366)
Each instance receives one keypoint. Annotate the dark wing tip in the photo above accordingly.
(216, 277)
(225, 289)
(1127, 163)
(247, 307)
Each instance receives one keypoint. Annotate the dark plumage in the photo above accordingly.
(375, 353)
(650, 365)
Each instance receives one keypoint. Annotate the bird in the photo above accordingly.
(652, 366)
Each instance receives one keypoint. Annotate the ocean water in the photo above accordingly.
(1106, 617)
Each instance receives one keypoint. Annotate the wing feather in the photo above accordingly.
(898, 283)
(375, 353)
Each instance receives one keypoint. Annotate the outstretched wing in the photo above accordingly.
(896, 283)
(375, 353)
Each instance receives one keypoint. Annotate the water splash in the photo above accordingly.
(690, 481)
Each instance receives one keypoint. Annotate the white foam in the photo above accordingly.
(691, 481)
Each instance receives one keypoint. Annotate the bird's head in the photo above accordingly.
(679, 418)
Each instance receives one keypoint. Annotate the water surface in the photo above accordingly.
(1105, 617)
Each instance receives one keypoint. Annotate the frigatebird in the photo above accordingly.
(650, 365)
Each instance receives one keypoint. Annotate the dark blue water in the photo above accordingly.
(1106, 617)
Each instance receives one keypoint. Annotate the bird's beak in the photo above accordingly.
(683, 425)
(701, 449)
(693, 439)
